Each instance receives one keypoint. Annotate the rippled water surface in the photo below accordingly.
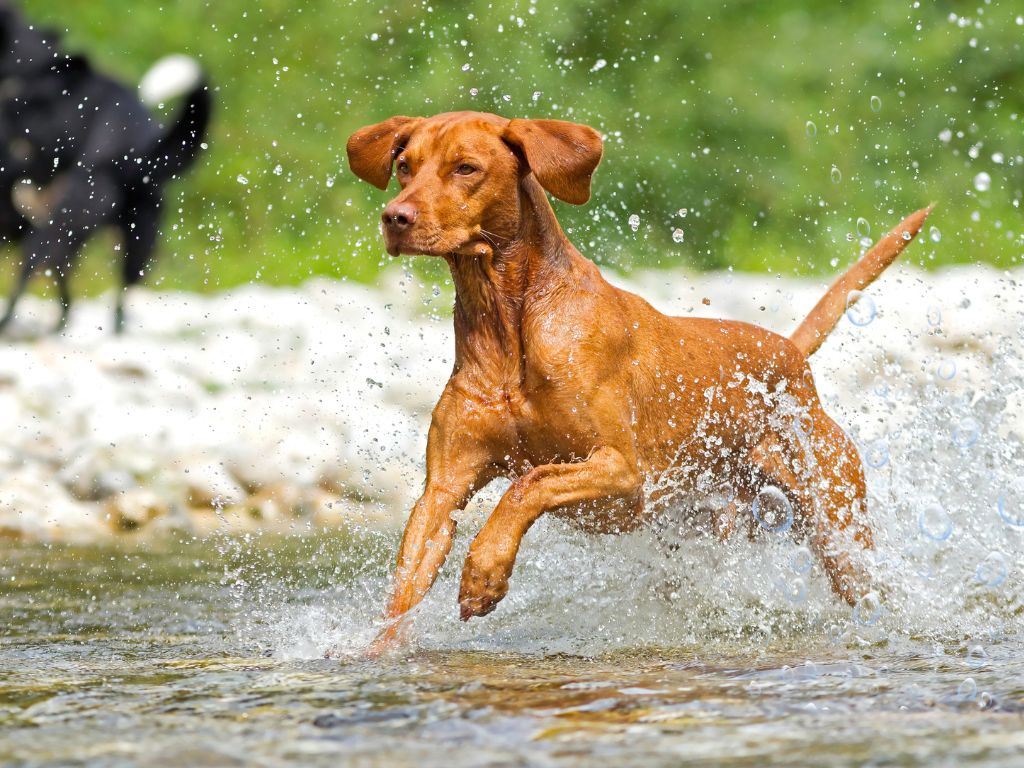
(209, 654)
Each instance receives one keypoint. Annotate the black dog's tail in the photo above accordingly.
(183, 140)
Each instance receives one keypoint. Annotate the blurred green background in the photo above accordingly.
(776, 125)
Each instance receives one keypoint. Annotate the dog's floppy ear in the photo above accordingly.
(371, 150)
(561, 155)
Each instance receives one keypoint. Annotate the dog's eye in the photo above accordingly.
(465, 170)
(403, 167)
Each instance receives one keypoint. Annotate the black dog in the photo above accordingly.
(92, 143)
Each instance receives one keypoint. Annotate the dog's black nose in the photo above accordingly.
(399, 216)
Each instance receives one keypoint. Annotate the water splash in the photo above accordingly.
(945, 502)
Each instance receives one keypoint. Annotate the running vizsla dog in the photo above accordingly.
(581, 393)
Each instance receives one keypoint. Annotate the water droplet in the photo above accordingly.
(868, 610)
(1010, 509)
(836, 175)
(241, 179)
(811, 128)
(992, 570)
(599, 64)
(678, 235)
(803, 423)
(918, 558)
(905, 235)
(934, 315)
(634, 222)
(982, 182)
(772, 510)
(330, 182)
(877, 454)
(860, 308)
(876, 104)
(934, 234)
(802, 560)
(946, 370)
(966, 433)
(795, 590)
(837, 634)
(278, 169)
(863, 228)
(976, 656)
(935, 523)
(968, 689)
(682, 213)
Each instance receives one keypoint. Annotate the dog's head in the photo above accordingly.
(461, 175)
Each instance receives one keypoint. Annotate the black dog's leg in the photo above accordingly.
(64, 293)
(141, 227)
(44, 248)
(13, 226)
(20, 283)
(89, 200)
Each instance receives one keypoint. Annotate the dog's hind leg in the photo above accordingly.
(13, 225)
(20, 284)
(140, 228)
(841, 493)
(64, 296)
(822, 476)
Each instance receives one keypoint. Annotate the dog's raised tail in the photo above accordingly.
(813, 331)
(173, 76)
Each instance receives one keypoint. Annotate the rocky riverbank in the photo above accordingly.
(290, 407)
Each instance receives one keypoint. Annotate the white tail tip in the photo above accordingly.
(170, 77)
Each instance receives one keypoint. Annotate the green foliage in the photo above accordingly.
(742, 112)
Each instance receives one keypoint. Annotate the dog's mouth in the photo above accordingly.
(401, 245)
(416, 242)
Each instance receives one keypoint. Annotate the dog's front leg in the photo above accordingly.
(459, 448)
(425, 545)
(607, 476)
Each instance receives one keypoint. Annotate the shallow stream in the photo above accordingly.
(208, 653)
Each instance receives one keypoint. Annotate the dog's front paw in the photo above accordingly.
(390, 637)
(484, 584)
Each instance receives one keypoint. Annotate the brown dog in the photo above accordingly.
(583, 393)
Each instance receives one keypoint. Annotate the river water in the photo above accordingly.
(210, 653)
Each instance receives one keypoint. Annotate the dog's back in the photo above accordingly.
(76, 115)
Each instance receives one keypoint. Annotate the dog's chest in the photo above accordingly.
(552, 420)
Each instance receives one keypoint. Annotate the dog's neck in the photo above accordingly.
(491, 290)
